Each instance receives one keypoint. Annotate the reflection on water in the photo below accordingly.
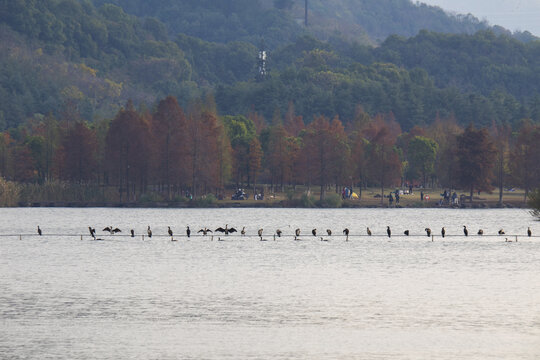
(370, 297)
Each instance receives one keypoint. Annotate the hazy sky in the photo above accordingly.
(511, 14)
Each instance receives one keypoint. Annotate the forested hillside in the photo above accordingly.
(70, 58)
(278, 21)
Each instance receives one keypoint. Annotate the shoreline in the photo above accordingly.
(268, 204)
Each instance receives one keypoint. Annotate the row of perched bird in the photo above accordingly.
(226, 230)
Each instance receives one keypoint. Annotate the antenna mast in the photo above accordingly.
(306, 14)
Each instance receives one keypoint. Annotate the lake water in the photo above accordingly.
(369, 298)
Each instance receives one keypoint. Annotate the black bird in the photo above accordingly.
(149, 231)
(109, 229)
(346, 233)
(39, 230)
(465, 231)
(278, 232)
(188, 232)
(406, 232)
(529, 232)
(501, 232)
(428, 232)
(329, 232)
(368, 232)
(225, 230)
(480, 232)
(170, 231)
(388, 231)
(205, 231)
(115, 230)
(260, 231)
(443, 232)
(243, 231)
(92, 232)
(314, 232)
(132, 233)
(296, 234)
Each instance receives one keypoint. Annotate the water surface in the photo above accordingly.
(371, 297)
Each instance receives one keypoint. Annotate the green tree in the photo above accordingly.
(422, 153)
(476, 158)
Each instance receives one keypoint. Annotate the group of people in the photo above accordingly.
(391, 197)
(448, 199)
(346, 193)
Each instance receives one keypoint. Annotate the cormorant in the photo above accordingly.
(39, 230)
(428, 232)
(149, 232)
(205, 231)
(296, 234)
(501, 232)
(368, 231)
(243, 231)
(115, 230)
(188, 232)
(314, 232)
(529, 232)
(388, 231)
(278, 232)
(170, 231)
(346, 233)
(443, 232)
(329, 232)
(480, 232)
(132, 233)
(225, 230)
(92, 232)
(406, 232)
(109, 229)
(465, 231)
(260, 231)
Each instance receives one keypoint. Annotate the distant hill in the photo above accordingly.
(281, 21)
(68, 56)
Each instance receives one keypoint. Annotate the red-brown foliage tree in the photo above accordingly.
(168, 129)
(128, 151)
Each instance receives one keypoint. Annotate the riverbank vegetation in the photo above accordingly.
(172, 154)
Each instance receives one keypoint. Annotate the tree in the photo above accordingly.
(422, 153)
(444, 131)
(383, 164)
(255, 160)
(359, 161)
(501, 135)
(128, 151)
(324, 143)
(476, 158)
(168, 129)
(534, 202)
(76, 156)
(241, 131)
(525, 158)
(204, 134)
(277, 155)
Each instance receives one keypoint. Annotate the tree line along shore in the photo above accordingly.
(169, 154)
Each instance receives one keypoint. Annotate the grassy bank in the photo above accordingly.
(61, 195)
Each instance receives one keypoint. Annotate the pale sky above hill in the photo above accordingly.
(512, 14)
